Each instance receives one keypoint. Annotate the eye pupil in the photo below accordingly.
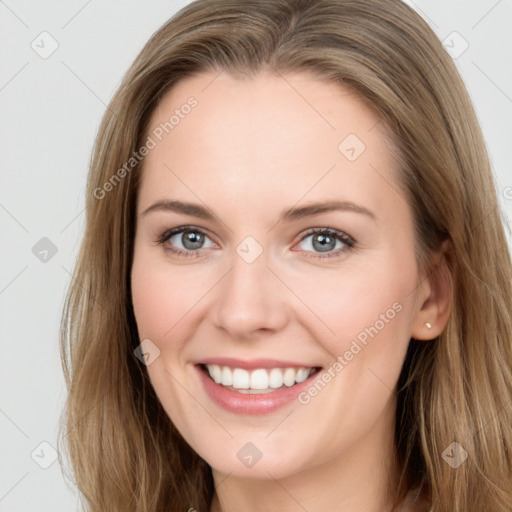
(192, 239)
(325, 242)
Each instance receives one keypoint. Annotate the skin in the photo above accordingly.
(248, 150)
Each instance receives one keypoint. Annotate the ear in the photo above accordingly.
(435, 294)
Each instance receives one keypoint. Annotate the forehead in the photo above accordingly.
(272, 138)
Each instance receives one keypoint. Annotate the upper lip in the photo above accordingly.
(253, 364)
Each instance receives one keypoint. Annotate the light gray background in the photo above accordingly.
(50, 112)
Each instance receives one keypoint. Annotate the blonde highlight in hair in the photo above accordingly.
(124, 451)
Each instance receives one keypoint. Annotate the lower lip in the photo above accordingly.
(251, 404)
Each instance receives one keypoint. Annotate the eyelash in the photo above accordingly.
(349, 242)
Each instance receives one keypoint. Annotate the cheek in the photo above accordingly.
(363, 311)
(161, 299)
(152, 301)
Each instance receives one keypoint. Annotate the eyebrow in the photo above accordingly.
(287, 215)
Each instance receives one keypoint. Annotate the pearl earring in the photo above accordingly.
(428, 324)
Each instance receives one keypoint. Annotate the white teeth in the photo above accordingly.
(215, 373)
(289, 377)
(276, 378)
(257, 380)
(227, 376)
(240, 378)
(302, 375)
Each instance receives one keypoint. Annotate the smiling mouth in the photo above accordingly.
(257, 381)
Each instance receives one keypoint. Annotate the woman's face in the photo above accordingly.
(262, 289)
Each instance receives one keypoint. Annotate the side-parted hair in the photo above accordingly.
(124, 451)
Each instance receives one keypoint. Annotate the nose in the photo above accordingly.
(250, 300)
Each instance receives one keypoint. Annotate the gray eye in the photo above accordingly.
(320, 242)
(188, 240)
(323, 242)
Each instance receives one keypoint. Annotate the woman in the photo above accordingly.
(294, 288)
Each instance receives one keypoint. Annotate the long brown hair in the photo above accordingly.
(124, 451)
